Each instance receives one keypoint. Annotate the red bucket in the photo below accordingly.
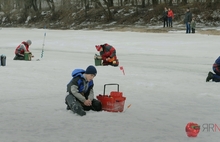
(113, 102)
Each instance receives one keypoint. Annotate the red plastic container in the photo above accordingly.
(113, 102)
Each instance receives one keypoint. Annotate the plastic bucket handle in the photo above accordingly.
(111, 84)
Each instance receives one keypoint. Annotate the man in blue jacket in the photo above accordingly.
(216, 68)
(80, 89)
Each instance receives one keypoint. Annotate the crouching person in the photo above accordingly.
(216, 75)
(80, 89)
(107, 54)
(21, 49)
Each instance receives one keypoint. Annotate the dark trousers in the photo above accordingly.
(170, 21)
(216, 76)
(193, 30)
(187, 27)
(18, 57)
(165, 22)
(71, 100)
(106, 63)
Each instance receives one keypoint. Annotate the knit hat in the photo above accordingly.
(91, 70)
(29, 42)
(98, 47)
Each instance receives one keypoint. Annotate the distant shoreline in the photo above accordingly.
(150, 29)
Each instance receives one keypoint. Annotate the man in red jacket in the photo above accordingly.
(21, 48)
(107, 54)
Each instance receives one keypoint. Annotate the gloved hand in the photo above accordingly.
(31, 54)
(21, 54)
(97, 57)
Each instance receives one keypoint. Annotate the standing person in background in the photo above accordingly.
(187, 20)
(107, 54)
(193, 25)
(21, 48)
(165, 18)
(170, 17)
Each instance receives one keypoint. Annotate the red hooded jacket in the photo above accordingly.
(170, 14)
(108, 52)
(20, 49)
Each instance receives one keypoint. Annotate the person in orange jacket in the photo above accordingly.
(21, 48)
(170, 16)
(107, 54)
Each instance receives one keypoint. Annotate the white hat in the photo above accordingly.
(29, 42)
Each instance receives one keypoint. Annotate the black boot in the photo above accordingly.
(209, 77)
(78, 109)
(74, 105)
(67, 107)
(18, 58)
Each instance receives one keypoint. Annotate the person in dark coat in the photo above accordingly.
(193, 25)
(165, 18)
(107, 54)
(187, 20)
(216, 75)
(80, 96)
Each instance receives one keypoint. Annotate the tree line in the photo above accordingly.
(51, 4)
(54, 5)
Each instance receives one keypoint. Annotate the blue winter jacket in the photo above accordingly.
(79, 87)
(216, 65)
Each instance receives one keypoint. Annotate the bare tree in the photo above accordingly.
(154, 2)
(27, 4)
(111, 3)
(184, 1)
(121, 3)
(143, 4)
(107, 14)
(86, 7)
(34, 4)
(136, 3)
(108, 4)
(40, 6)
(170, 2)
(51, 5)
(148, 2)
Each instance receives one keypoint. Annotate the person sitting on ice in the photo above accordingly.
(216, 68)
(80, 96)
(21, 49)
(107, 54)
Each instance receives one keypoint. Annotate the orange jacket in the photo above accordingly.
(170, 13)
(20, 50)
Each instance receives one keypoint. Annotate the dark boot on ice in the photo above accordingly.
(18, 58)
(67, 107)
(209, 77)
(77, 109)
(74, 105)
